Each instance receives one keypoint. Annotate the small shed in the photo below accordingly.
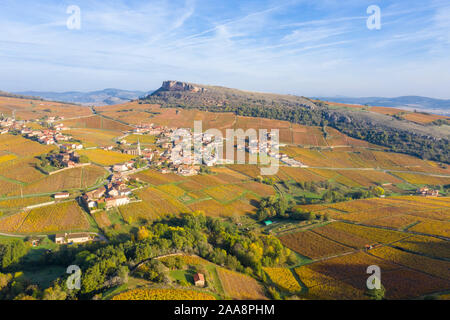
(268, 222)
(199, 280)
(62, 195)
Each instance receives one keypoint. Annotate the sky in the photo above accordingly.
(309, 48)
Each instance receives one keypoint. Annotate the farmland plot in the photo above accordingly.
(312, 245)
(60, 217)
(240, 286)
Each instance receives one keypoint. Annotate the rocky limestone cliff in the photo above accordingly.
(181, 86)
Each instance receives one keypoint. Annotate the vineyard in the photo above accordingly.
(95, 137)
(55, 218)
(284, 279)
(239, 286)
(32, 109)
(434, 227)
(405, 235)
(345, 278)
(22, 147)
(428, 246)
(312, 245)
(76, 178)
(438, 268)
(372, 234)
(106, 158)
(96, 122)
(412, 213)
(23, 202)
(163, 294)
(225, 192)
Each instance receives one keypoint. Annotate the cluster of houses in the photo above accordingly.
(123, 167)
(150, 129)
(53, 136)
(69, 159)
(10, 124)
(115, 194)
(427, 192)
(175, 154)
(47, 136)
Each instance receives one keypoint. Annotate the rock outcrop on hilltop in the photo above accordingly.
(181, 86)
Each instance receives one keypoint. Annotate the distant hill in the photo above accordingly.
(18, 96)
(97, 98)
(437, 106)
(400, 135)
(183, 94)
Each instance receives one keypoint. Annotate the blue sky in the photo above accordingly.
(310, 48)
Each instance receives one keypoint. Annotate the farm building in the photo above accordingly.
(427, 192)
(69, 238)
(62, 195)
(117, 202)
(199, 280)
(34, 241)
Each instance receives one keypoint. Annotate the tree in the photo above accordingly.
(311, 216)
(274, 293)
(11, 252)
(377, 294)
(300, 214)
(83, 159)
(54, 293)
(4, 280)
(378, 191)
(142, 234)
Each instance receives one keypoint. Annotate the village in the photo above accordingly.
(171, 153)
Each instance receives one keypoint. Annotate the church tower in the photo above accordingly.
(139, 148)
